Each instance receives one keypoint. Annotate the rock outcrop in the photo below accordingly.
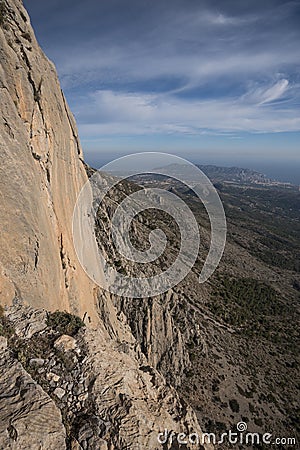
(28, 416)
(84, 390)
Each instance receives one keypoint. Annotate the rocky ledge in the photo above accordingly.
(63, 385)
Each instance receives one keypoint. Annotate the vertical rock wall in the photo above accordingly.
(41, 173)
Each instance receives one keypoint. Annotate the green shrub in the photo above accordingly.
(64, 322)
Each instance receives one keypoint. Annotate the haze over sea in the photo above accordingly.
(280, 170)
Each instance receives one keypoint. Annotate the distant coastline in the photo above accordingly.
(285, 172)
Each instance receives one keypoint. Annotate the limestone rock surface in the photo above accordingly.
(29, 419)
(41, 174)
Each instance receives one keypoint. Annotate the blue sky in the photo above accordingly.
(213, 81)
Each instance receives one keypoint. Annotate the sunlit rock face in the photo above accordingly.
(41, 174)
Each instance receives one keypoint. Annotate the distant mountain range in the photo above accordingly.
(219, 174)
(234, 174)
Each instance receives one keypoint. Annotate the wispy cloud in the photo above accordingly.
(275, 92)
(178, 67)
(126, 114)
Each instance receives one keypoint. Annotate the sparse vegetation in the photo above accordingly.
(64, 322)
(242, 301)
(6, 328)
(37, 347)
(276, 255)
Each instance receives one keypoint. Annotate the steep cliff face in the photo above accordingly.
(41, 174)
(111, 397)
